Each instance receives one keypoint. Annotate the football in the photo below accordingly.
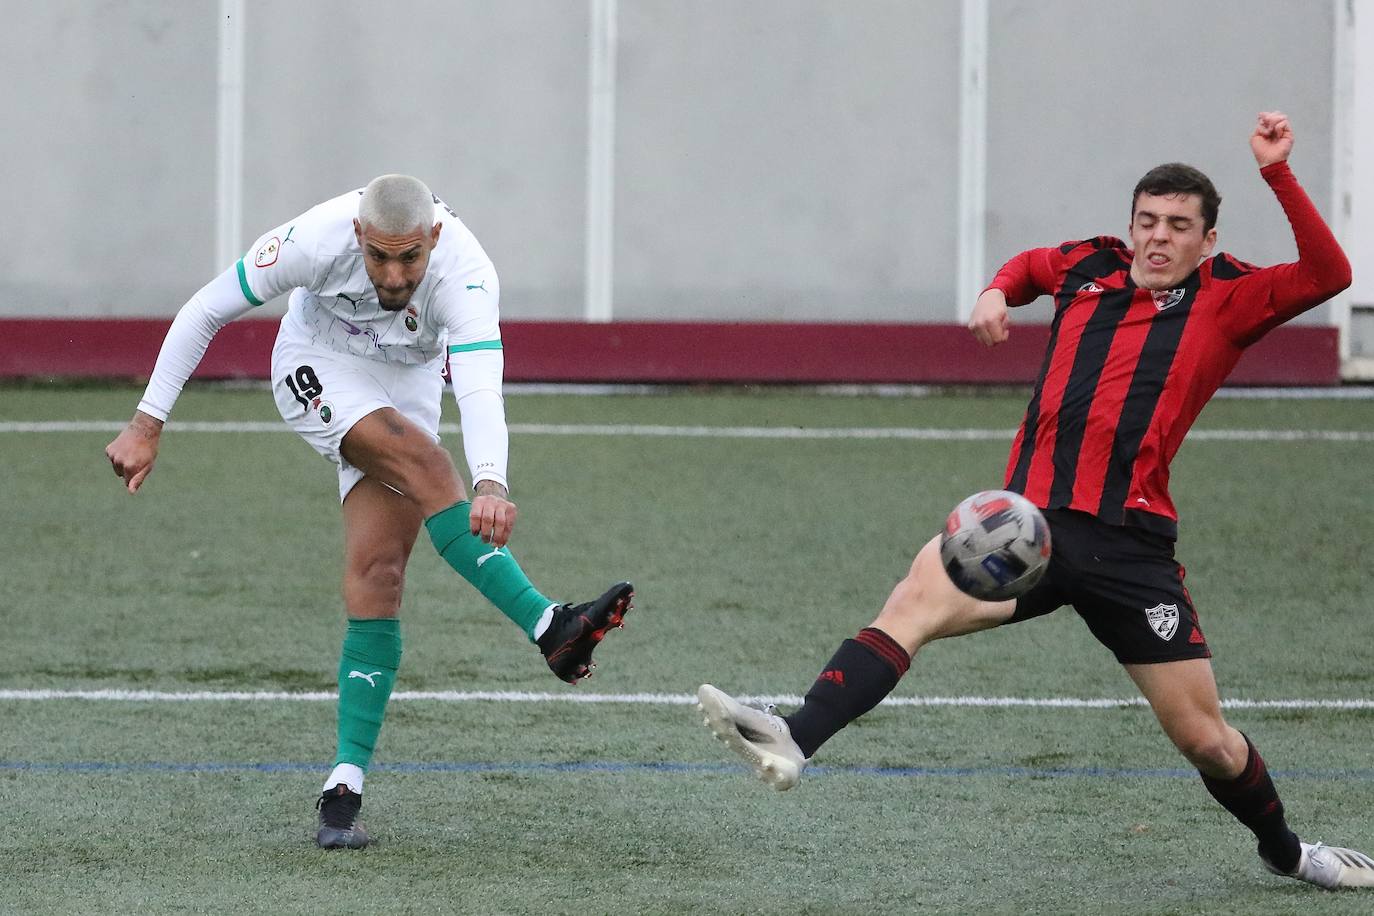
(996, 545)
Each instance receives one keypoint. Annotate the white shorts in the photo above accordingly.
(322, 393)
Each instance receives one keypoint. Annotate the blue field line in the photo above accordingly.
(708, 769)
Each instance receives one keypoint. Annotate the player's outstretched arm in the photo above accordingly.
(133, 451)
(214, 305)
(990, 321)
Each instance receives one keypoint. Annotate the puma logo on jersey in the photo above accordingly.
(487, 556)
(482, 286)
(366, 677)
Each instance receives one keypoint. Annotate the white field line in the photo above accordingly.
(707, 432)
(641, 699)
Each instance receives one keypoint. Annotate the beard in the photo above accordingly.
(392, 303)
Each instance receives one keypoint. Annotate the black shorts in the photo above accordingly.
(1124, 583)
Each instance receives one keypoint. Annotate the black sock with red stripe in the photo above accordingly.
(1253, 800)
(862, 672)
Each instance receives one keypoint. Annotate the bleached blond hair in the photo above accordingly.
(396, 205)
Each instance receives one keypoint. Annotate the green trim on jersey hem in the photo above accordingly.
(479, 345)
(243, 285)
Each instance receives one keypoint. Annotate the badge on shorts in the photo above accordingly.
(326, 410)
(1163, 620)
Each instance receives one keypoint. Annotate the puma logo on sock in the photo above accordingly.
(487, 556)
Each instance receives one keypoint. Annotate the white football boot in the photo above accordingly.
(1330, 867)
(757, 735)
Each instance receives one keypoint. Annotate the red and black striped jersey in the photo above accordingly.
(1128, 370)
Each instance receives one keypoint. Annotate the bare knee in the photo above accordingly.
(424, 472)
(372, 587)
(432, 480)
(1213, 747)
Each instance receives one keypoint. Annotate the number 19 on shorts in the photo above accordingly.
(304, 385)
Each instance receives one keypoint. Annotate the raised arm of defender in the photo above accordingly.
(1266, 298)
(1260, 300)
(1272, 139)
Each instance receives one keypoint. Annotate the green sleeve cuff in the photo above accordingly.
(478, 345)
(243, 285)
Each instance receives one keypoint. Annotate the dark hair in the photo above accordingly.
(1177, 178)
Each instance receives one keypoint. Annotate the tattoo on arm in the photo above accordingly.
(489, 488)
(145, 426)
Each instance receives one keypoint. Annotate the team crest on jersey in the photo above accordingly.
(1163, 620)
(1167, 298)
(267, 254)
(412, 325)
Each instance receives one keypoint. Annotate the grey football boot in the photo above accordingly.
(758, 735)
(1330, 867)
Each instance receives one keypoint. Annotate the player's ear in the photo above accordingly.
(434, 233)
(358, 231)
(1209, 241)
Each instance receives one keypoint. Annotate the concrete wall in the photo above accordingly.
(485, 101)
(787, 159)
(1084, 98)
(775, 160)
(108, 185)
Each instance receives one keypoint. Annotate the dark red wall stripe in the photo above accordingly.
(556, 351)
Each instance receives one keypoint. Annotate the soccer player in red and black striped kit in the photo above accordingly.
(1143, 335)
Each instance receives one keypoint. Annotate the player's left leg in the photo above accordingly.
(924, 606)
(390, 447)
(380, 528)
(382, 421)
(1183, 695)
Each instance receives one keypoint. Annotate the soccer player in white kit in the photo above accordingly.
(385, 283)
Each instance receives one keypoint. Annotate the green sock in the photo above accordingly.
(367, 670)
(492, 571)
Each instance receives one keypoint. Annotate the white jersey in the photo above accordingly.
(334, 304)
(454, 312)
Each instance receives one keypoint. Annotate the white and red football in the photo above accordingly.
(996, 545)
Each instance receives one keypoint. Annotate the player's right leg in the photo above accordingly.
(1183, 695)
(380, 527)
(924, 606)
(387, 445)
